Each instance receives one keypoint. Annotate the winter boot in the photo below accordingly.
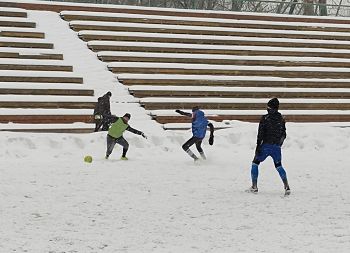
(286, 187)
(203, 156)
(190, 153)
(124, 158)
(252, 189)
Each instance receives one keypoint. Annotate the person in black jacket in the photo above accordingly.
(101, 111)
(271, 135)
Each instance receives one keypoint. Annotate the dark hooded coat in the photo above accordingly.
(103, 106)
(272, 129)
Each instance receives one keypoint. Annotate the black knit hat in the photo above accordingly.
(127, 115)
(273, 103)
(109, 93)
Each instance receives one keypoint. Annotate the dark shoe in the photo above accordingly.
(252, 190)
(203, 156)
(286, 187)
(286, 191)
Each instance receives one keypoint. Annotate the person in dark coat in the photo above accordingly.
(115, 133)
(271, 135)
(199, 128)
(101, 111)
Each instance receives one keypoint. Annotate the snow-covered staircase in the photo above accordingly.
(39, 90)
(230, 64)
(229, 67)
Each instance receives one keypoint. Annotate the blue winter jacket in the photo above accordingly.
(199, 124)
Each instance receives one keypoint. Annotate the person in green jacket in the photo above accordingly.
(115, 134)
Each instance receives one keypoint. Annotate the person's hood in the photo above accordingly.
(198, 114)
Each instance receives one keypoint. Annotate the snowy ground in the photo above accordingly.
(160, 201)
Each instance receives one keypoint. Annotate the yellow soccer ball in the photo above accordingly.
(88, 159)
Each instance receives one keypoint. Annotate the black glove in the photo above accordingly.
(143, 135)
(211, 140)
(178, 111)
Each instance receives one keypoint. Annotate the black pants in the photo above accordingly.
(112, 141)
(98, 124)
(191, 141)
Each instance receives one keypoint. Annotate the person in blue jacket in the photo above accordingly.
(199, 128)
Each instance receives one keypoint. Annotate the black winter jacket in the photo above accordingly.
(103, 106)
(272, 129)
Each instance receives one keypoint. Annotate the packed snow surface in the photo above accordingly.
(161, 201)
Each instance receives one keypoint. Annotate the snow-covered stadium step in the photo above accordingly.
(190, 48)
(229, 81)
(21, 32)
(39, 76)
(126, 76)
(225, 124)
(8, 21)
(109, 56)
(249, 22)
(18, 29)
(45, 101)
(212, 40)
(239, 92)
(13, 12)
(34, 64)
(86, 28)
(179, 45)
(77, 127)
(170, 116)
(243, 100)
(118, 66)
(187, 126)
(234, 89)
(26, 43)
(30, 51)
(33, 85)
(153, 103)
(40, 111)
(229, 70)
(44, 98)
(213, 112)
(54, 89)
